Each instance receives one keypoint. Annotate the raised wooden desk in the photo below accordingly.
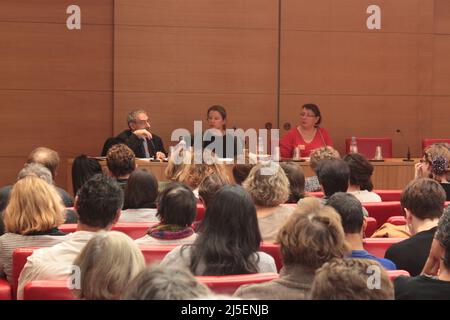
(390, 174)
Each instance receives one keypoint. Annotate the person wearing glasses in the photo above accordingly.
(307, 136)
(138, 137)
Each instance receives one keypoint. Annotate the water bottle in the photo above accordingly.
(353, 146)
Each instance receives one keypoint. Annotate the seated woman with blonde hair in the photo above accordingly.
(192, 173)
(32, 217)
(108, 262)
(268, 185)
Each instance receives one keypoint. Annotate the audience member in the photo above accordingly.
(177, 208)
(49, 159)
(353, 222)
(242, 169)
(350, 279)
(121, 163)
(98, 205)
(31, 219)
(423, 202)
(269, 188)
(83, 168)
(333, 175)
(210, 186)
(312, 235)
(296, 178)
(435, 165)
(140, 195)
(108, 262)
(165, 283)
(228, 239)
(312, 183)
(361, 171)
(426, 287)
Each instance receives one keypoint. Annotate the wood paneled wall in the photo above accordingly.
(55, 84)
(71, 89)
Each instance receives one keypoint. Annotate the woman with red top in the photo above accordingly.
(307, 135)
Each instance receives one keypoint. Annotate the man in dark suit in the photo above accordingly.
(138, 137)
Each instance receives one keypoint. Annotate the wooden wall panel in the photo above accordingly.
(441, 65)
(411, 16)
(56, 84)
(48, 56)
(442, 16)
(198, 13)
(195, 60)
(54, 11)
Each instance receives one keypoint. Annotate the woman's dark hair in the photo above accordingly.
(229, 236)
(83, 168)
(210, 186)
(141, 190)
(360, 171)
(315, 109)
(177, 205)
(296, 179)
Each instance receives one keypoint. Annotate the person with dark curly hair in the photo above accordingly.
(361, 171)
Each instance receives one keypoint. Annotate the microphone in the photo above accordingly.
(321, 136)
(408, 154)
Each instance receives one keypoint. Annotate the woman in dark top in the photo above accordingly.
(217, 119)
(83, 168)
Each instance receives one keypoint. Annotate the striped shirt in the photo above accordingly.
(10, 241)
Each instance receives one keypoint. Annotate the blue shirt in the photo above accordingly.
(363, 254)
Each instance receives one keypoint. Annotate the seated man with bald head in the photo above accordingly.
(49, 159)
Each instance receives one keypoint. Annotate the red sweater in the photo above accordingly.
(293, 138)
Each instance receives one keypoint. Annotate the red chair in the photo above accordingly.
(5, 290)
(47, 290)
(393, 274)
(230, 283)
(429, 141)
(383, 210)
(200, 212)
(378, 246)
(134, 230)
(389, 195)
(19, 259)
(317, 194)
(367, 146)
(154, 254)
(274, 251)
(397, 220)
(371, 226)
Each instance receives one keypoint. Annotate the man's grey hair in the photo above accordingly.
(37, 170)
(133, 115)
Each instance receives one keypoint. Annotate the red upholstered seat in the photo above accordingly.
(154, 254)
(389, 195)
(378, 246)
(371, 226)
(381, 211)
(230, 283)
(395, 273)
(367, 146)
(19, 259)
(5, 290)
(200, 212)
(134, 230)
(397, 220)
(47, 290)
(317, 194)
(429, 141)
(274, 251)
